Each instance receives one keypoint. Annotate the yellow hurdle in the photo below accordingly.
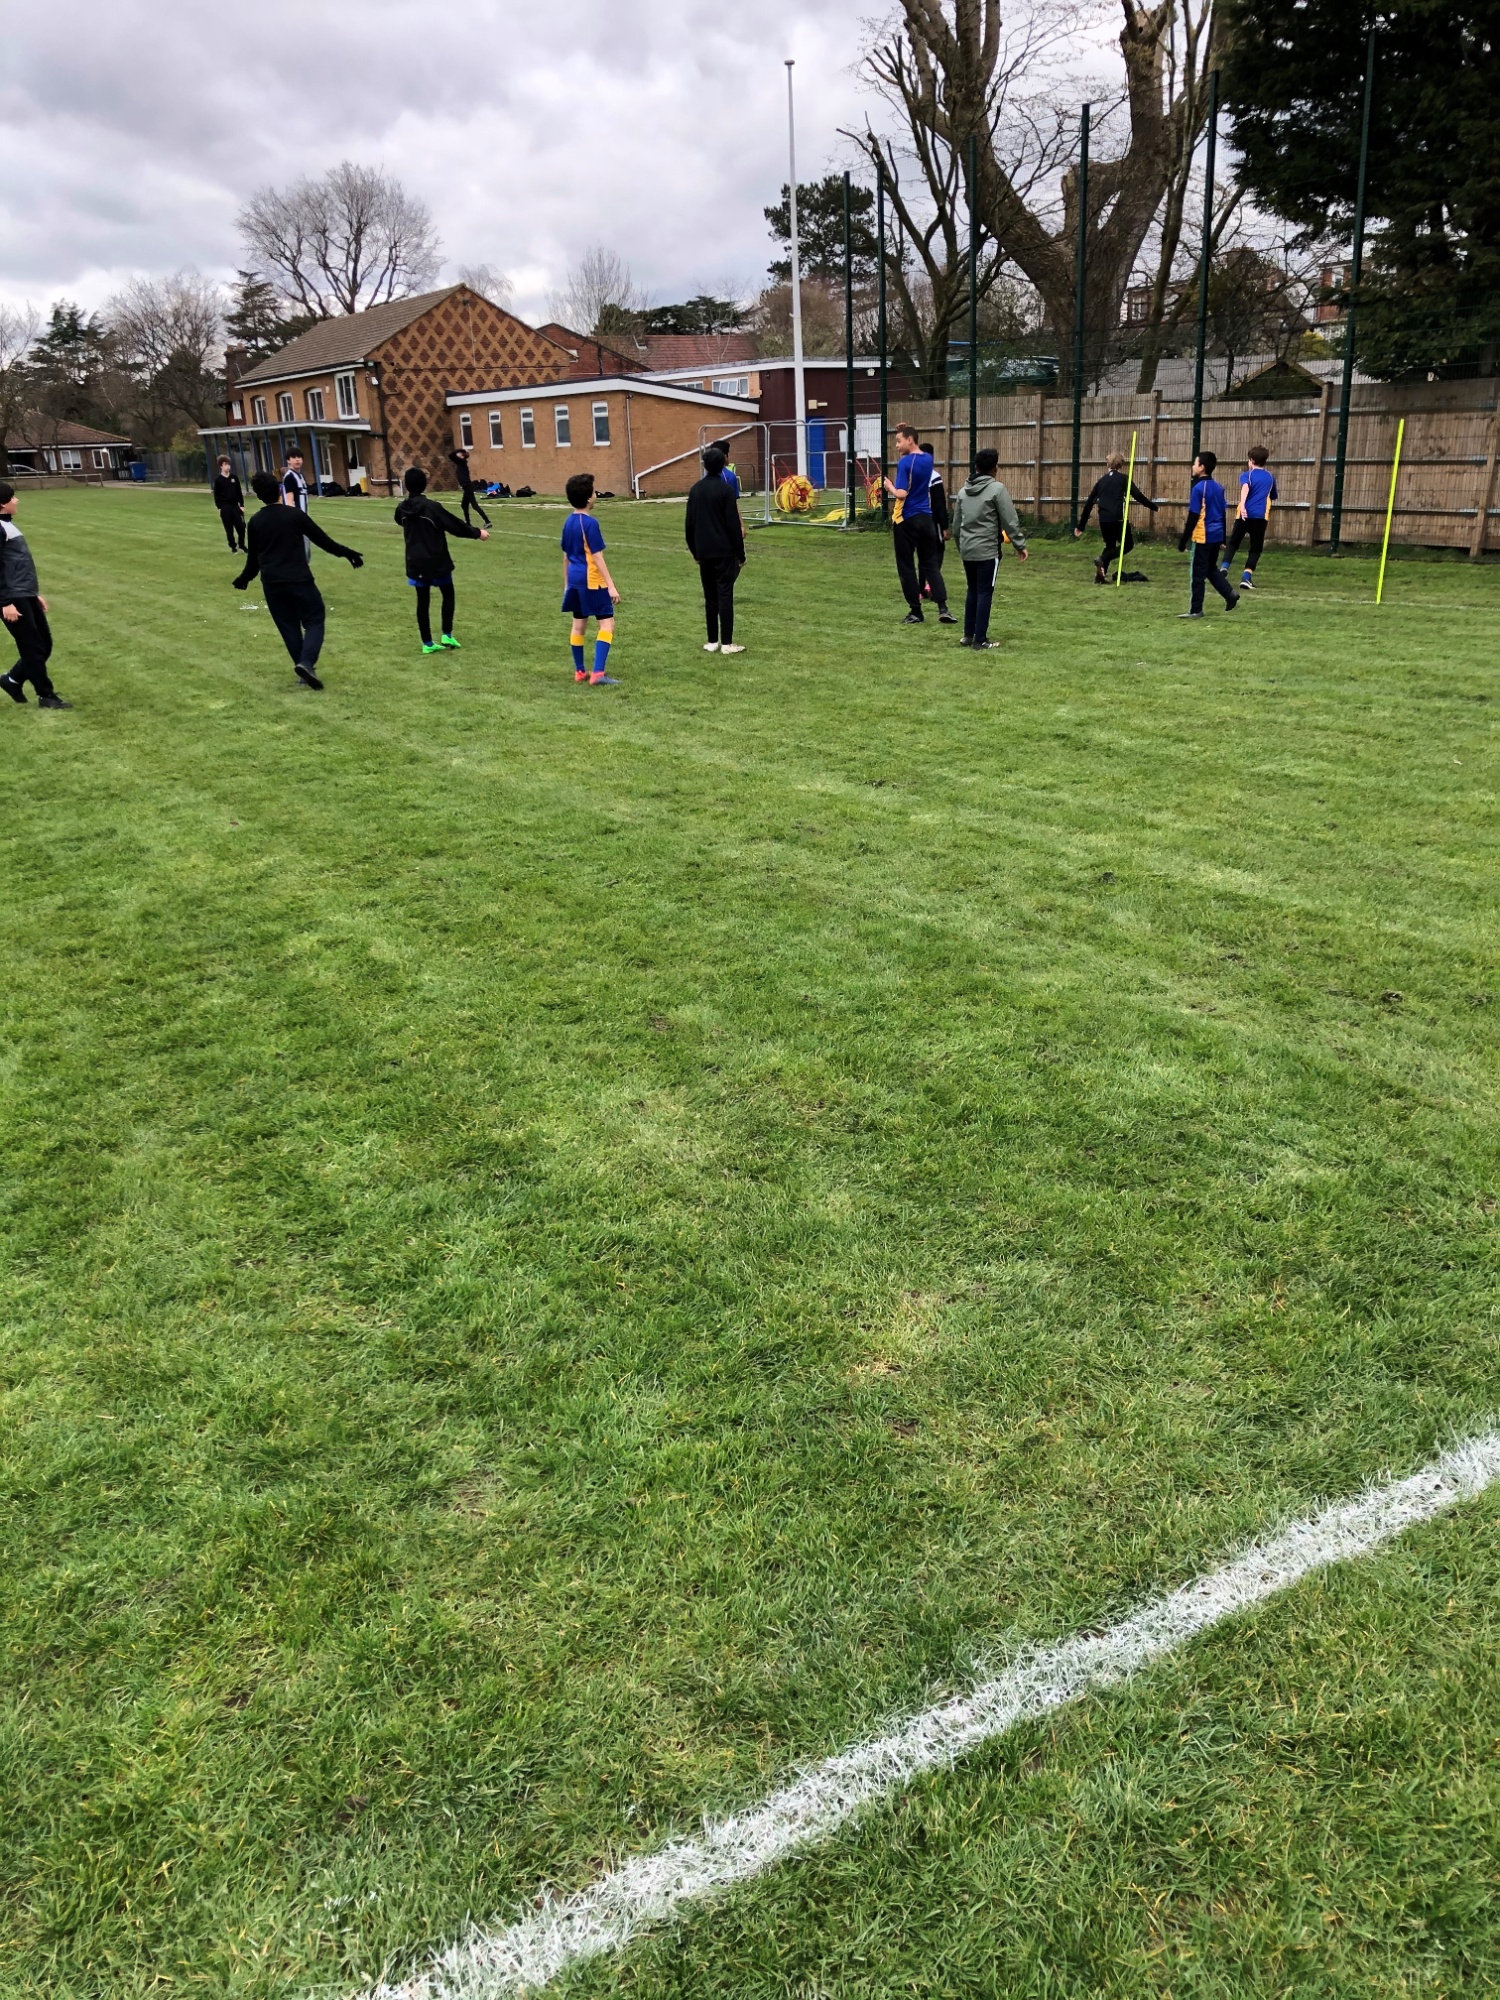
(1390, 508)
(1125, 524)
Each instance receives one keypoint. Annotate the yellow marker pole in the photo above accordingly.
(1390, 508)
(1125, 524)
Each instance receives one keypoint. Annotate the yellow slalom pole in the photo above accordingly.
(1390, 508)
(1125, 524)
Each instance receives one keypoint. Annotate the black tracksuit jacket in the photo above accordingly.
(228, 492)
(1109, 497)
(427, 526)
(277, 551)
(712, 524)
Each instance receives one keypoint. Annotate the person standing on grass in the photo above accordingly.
(279, 540)
(588, 588)
(229, 498)
(937, 493)
(459, 460)
(1204, 528)
(426, 527)
(1257, 491)
(293, 484)
(729, 476)
(24, 610)
(716, 542)
(914, 533)
(1110, 497)
(984, 519)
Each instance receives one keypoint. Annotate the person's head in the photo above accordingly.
(721, 444)
(225, 466)
(985, 462)
(266, 486)
(930, 449)
(7, 499)
(414, 479)
(462, 452)
(906, 438)
(1116, 461)
(714, 461)
(1205, 463)
(1259, 453)
(294, 461)
(580, 491)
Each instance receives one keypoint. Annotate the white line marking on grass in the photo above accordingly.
(652, 1889)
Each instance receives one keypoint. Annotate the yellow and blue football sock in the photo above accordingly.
(602, 645)
(578, 667)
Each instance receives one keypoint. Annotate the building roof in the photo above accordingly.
(634, 385)
(38, 431)
(586, 347)
(343, 342)
(695, 350)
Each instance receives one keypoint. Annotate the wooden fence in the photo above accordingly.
(1447, 492)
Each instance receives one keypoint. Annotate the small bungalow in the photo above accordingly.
(44, 445)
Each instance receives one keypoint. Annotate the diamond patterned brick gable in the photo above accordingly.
(463, 343)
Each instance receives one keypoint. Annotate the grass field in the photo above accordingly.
(568, 1251)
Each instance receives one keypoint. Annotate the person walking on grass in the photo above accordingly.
(229, 498)
(459, 460)
(279, 538)
(914, 533)
(1204, 528)
(588, 588)
(24, 610)
(1257, 492)
(984, 519)
(716, 542)
(1110, 497)
(426, 527)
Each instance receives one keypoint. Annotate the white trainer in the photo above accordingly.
(712, 646)
(731, 649)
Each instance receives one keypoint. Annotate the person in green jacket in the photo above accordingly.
(984, 518)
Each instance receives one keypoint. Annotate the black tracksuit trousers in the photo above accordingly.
(425, 587)
(234, 526)
(300, 617)
(919, 561)
(1110, 530)
(33, 637)
(471, 499)
(1205, 571)
(718, 575)
(1256, 530)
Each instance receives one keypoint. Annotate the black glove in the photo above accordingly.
(354, 559)
(242, 583)
(1182, 548)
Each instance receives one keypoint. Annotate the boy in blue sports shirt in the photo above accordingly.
(1205, 528)
(588, 588)
(914, 531)
(729, 476)
(1257, 491)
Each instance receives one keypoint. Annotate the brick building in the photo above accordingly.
(362, 396)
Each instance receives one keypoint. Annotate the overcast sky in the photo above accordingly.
(533, 129)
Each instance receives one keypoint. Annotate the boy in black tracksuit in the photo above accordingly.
(426, 527)
(937, 493)
(459, 460)
(229, 498)
(279, 539)
(716, 542)
(1109, 497)
(24, 611)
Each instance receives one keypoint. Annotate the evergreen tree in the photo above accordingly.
(697, 315)
(258, 320)
(820, 231)
(72, 369)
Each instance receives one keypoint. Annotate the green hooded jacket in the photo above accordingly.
(981, 510)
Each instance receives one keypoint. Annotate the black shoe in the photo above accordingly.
(946, 618)
(306, 674)
(12, 687)
(1135, 576)
(1100, 577)
(1233, 604)
(985, 645)
(52, 701)
(966, 642)
(913, 618)
(1190, 614)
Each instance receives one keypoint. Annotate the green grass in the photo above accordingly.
(567, 1251)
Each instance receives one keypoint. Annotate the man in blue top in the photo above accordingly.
(1257, 491)
(1204, 528)
(914, 532)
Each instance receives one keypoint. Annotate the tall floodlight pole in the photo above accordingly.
(884, 333)
(799, 377)
(973, 298)
(1205, 257)
(1080, 275)
(849, 434)
(1356, 266)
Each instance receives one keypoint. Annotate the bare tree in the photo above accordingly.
(168, 336)
(600, 295)
(19, 327)
(489, 283)
(1187, 54)
(958, 56)
(352, 239)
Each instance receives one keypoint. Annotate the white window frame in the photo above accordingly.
(237, 413)
(285, 409)
(466, 430)
(601, 416)
(70, 458)
(730, 385)
(257, 409)
(528, 429)
(497, 431)
(346, 395)
(314, 400)
(101, 460)
(562, 420)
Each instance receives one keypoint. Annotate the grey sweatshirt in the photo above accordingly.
(18, 576)
(981, 510)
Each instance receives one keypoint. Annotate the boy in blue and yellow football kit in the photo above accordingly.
(1204, 528)
(1257, 491)
(588, 588)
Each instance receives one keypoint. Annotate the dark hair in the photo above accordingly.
(414, 479)
(986, 460)
(266, 487)
(1259, 453)
(721, 444)
(7, 494)
(906, 431)
(580, 489)
(227, 460)
(295, 452)
(1209, 460)
(714, 461)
